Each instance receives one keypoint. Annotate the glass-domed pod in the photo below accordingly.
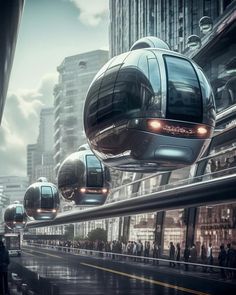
(205, 24)
(84, 147)
(14, 216)
(194, 42)
(149, 109)
(82, 178)
(41, 200)
(149, 42)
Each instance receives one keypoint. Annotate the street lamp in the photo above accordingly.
(194, 42)
(205, 24)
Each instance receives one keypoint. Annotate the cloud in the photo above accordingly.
(20, 124)
(91, 13)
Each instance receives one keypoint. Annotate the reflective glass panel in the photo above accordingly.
(184, 99)
(94, 171)
(19, 210)
(174, 229)
(215, 225)
(46, 197)
(142, 228)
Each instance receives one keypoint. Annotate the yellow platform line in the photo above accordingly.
(147, 280)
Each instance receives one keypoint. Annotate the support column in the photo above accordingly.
(190, 219)
(126, 228)
(159, 227)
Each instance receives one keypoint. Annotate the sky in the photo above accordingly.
(49, 31)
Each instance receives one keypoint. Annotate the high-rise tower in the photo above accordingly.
(75, 75)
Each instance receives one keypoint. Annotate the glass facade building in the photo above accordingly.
(75, 75)
(173, 21)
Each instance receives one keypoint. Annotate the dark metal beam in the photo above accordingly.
(10, 15)
(214, 191)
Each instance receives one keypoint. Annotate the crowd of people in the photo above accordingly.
(226, 256)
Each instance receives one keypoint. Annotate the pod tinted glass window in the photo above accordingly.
(94, 171)
(184, 99)
(151, 92)
(127, 92)
(19, 210)
(46, 197)
(19, 214)
(30, 198)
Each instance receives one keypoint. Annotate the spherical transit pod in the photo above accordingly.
(41, 200)
(194, 42)
(205, 24)
(14, 216)
(82, 178)
(149, 109)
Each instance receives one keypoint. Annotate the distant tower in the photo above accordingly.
(40, 156)
(75, 75)
(13, 187)
(33, 159)
(45, 145)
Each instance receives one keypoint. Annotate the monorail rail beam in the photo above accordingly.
(10, 16)
(214, 191)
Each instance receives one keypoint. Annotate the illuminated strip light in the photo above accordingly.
(46, 211)
(173, 128)
(94, 191)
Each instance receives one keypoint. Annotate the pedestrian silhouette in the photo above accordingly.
(4, 261)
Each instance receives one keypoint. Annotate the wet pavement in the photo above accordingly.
(89, 275)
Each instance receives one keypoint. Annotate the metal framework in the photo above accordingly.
(213, 191)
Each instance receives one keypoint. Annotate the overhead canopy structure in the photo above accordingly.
(10, 15)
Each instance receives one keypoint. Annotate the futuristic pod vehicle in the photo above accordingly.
(41, 200)
(14, 216)
(149, 109)
(82, 178)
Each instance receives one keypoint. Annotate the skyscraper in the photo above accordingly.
(14, 187)
(75, 75)
(40, 156)
(33, 159)
(46, 130)
(4, 202)
(173, 21)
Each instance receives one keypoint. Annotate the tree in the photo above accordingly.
(97, 234)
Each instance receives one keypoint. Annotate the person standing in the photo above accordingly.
(4, 261)
(178, 253)
(193, 255)
(209, 256)
(186, 256)
(172, 254)
(204, 257)
(222, 260)
(146, 250)
(155, 252)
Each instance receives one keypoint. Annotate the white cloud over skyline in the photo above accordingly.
(20, 124)
(91, 14)
(49, 32)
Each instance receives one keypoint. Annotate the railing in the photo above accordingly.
(128, 257)
(185, 181)
(178, 183)
(210, 191)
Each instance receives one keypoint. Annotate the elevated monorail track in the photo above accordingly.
(207, 192)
